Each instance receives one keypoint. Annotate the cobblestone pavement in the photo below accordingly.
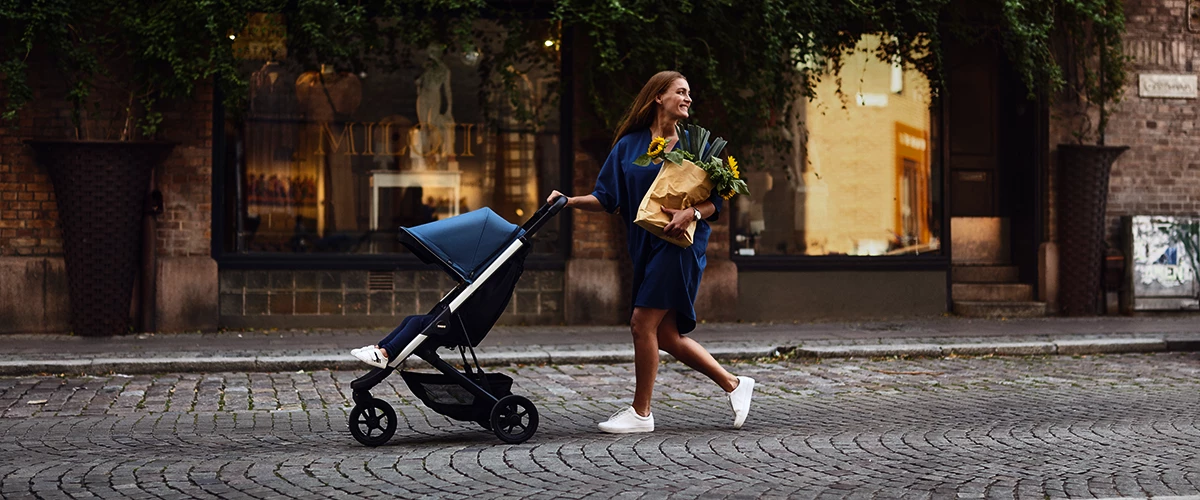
(1032, 427)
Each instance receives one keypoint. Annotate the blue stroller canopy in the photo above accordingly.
(464, 244)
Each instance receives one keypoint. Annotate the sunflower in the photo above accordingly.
(657, 145)
(733, 166)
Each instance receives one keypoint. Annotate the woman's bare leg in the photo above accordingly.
(692, 354)
(644, 326)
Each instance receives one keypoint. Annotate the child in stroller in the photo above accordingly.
(377, 355)
(485, 255)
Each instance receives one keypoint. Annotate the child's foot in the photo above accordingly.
(371, 355)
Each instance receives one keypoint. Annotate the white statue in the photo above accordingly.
(434, 141)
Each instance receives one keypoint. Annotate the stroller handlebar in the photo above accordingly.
(544, 214)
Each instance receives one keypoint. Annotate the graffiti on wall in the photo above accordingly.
(1165, 261)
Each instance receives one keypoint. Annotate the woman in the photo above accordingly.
(665, 276)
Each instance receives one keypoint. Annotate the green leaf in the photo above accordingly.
(643, 160)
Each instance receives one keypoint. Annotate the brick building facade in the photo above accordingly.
(198, 289)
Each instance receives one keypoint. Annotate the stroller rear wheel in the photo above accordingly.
(514, 419)
(373, 423)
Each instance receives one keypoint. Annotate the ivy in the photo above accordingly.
(748, 61)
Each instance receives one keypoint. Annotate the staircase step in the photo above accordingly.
(985, 274)
(994, 309)
(998, 292)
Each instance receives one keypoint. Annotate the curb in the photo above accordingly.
(1059, 347)
(567, 357)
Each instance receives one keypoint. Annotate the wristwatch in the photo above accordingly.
(697, 213)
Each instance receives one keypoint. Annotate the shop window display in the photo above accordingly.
(861, 179)
(332, 160)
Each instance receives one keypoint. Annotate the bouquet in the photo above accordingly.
(687, 177)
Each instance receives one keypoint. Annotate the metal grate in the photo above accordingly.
(380, 281)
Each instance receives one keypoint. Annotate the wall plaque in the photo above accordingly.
(1170, 86)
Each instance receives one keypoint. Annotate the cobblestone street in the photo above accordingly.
(994, 427)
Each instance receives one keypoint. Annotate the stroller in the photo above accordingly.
(485, 254)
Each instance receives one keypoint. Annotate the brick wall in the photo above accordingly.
(185, 227)
(282, 299)
(597, 235)
(28, 213)
(1160, 174)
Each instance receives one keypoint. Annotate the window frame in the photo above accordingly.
(940, 261)
(399, 261)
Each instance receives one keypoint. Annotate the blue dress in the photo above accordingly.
(665, 276)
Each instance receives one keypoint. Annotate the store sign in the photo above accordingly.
(1168, 86)
(264, 38)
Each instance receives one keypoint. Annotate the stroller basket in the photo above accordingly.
(445, 396)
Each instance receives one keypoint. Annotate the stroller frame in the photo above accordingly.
(512, 418)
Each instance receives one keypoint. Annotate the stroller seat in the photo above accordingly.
(485, 255)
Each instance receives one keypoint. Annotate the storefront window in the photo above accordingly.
(862, 178)
(331, 160)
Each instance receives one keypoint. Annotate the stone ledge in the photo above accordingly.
(1110, 346)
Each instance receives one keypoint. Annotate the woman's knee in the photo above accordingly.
(668, 340)
(641, 330)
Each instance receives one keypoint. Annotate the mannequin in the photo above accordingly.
(434, 141)
(329, 99)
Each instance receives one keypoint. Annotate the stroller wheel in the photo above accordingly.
(373, 423)
(514, 419)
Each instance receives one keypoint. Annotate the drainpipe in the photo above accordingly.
(154, 207)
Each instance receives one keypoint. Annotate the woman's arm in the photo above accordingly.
(587, 202)
(681, 218)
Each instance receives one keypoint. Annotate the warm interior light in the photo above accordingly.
(549, 43)
(232, 37)
(520, 213)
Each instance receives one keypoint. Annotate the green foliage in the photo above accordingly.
(694, 146)
(1070, 47)
(156, 50)
(748, 61)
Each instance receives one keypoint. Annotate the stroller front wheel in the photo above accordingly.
(514, 419)
(373, 423)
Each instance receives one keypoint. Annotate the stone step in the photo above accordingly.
(985, 274)
(995, 309)
(999, 292)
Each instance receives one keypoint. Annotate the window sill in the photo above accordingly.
(842, 263)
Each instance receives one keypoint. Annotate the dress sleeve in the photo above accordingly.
(718, 204)
(609, 189)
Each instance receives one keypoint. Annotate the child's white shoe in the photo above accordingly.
(371, 355)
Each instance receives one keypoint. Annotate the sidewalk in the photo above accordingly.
(292, 350)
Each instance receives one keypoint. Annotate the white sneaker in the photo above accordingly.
(739, 399)
(371, 355)
(627, 421)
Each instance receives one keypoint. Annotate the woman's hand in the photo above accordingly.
(556, 194)
(680, 219)
(587, 202)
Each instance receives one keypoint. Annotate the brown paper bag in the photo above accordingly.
(677, 186)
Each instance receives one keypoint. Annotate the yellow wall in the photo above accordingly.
(851, 178)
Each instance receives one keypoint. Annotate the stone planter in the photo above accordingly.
(1082, 204)
(100, 187)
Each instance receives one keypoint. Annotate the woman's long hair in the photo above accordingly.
(642, 112)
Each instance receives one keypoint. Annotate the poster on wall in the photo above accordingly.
(1163, 262)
